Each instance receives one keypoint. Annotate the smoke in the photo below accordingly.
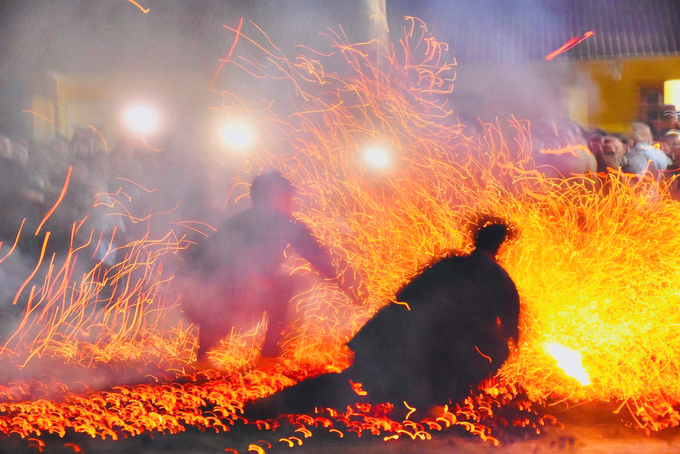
(500, 50)
(109, 40)
(377, 10)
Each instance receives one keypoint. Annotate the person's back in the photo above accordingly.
(253, 242)
(461, 312)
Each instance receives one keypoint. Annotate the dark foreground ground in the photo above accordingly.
(577, 436)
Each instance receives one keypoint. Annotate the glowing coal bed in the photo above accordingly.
(387, 175)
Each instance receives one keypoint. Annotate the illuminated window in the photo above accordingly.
(654, 109)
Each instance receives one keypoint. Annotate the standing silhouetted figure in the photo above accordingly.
(451, 333)
(239, 269)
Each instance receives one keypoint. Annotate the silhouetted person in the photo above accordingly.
(241, 266)
(454, 333)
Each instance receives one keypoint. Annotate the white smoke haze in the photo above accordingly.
(112, 37)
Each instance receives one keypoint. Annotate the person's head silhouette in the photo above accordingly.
(272, 191)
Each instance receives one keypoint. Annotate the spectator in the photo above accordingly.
(613, 154)
(21, 196)
(644, 156)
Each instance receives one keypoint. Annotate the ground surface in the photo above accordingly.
(576, 437)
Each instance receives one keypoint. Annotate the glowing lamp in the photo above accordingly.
(569, 361)
(377, 157)
(237, 135)
(671, 92)
(141, 119)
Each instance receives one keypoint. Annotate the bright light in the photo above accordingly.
(671, 93)
(569, 361)
(237, 135)
(377, 157)
(141, 119)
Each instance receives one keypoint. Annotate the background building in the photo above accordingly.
(613, 77)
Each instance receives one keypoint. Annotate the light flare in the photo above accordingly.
(377, 157)
(141, 119)
(569, 361)
(237, 135)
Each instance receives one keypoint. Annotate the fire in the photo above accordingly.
(595, 262)
(569, 361)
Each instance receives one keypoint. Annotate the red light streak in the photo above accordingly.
(479, 351)
(56, 204)
(106, 147)
(136, 184)
(147, 146)
(382, 19)
(568, 45)
(231, 51)
(16, 241)
(38, 115)
(35, 270)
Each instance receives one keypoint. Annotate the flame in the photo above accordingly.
(569, 361)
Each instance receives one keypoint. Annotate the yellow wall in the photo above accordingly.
(604, 94)
(81, 100)
(620, 99)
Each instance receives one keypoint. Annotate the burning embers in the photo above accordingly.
(595, 264)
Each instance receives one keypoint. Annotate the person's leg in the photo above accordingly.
(209, 336)
(278, 317)
(273, 335)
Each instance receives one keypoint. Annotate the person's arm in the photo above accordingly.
(344, 276)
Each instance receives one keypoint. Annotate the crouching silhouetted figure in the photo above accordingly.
(448, 331)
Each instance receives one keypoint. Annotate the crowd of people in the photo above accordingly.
(141, 179)
(639, 152)
(33, 175)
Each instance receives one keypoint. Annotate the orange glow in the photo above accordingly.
(357, 388)
(144, 10)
